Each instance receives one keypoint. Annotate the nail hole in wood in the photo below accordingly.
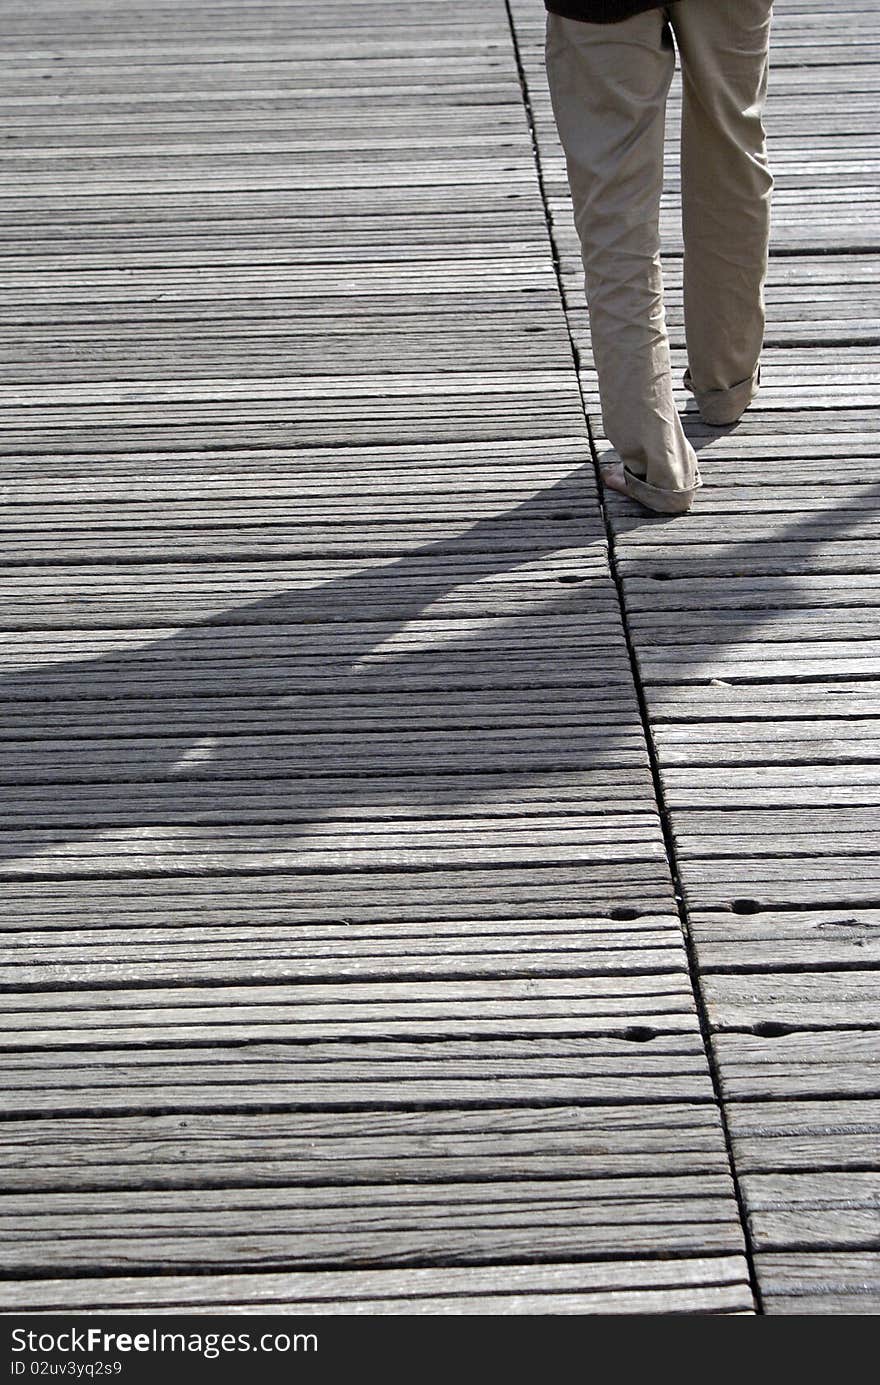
(771, 1029)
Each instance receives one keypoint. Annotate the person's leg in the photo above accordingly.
(609, 84)
(726, 187)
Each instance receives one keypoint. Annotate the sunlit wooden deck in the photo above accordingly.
(359, 767)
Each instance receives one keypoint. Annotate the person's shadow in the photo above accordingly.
(286, 709)
(290, 711)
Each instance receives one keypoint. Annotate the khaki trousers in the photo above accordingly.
(609, 84)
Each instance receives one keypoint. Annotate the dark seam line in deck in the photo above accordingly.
(668, 836)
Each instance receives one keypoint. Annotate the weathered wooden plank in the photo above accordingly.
(261, 952)
(552, 891)
(663, 1284)
(307, 1147)
(358, 1010)
(821, 1211)
(772, 1136)
(819, 1282)
(396, 1145)
(792, 940)
(829, 1064)
(355, 1225)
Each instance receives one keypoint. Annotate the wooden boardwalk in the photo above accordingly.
(343, 966)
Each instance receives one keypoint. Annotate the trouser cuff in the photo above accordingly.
(719, 407)
(666, 502)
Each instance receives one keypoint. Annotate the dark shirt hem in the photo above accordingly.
(600, 11)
